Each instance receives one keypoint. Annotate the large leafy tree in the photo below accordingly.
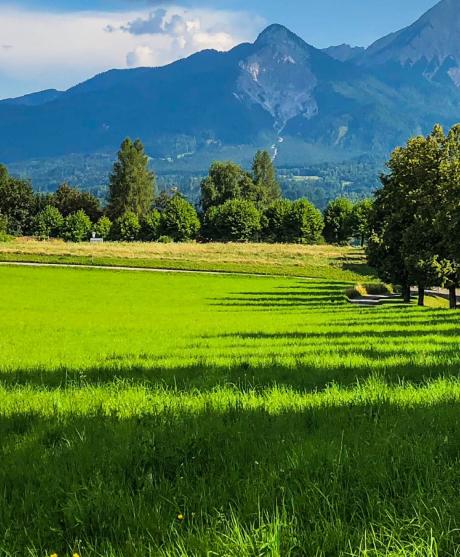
(70, 200)
(132, 185)
(419, 167)
(406, 245)
(303, 223)
(273, 221)
(237, 220)
(77, 227)
(226, 181)
(387, 225)
(179, 220)
(17, 202)
(360, 215)
(49, 223)
(3, 225)
(446, 207)
(338, 221)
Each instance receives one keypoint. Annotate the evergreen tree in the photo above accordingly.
(132, 185)
(266, 188)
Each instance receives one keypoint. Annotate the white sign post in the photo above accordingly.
(95, 240)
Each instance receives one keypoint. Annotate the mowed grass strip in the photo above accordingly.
(324, 262)
(197, 415)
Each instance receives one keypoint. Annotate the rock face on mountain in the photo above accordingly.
(431, 45)
(278, 77)
(345, 52)
(307, 105)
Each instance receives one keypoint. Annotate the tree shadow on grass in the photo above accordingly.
(344, 346)
(248, 374)
(334, 472)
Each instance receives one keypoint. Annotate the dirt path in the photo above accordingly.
(112, 268)
(143, 269)
(374, 300)
(378, 300)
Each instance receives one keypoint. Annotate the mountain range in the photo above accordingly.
(279, 93)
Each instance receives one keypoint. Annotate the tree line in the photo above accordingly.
(414, 227)
(236, 205)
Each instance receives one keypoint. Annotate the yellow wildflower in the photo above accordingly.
(54, 555)
(76, 555)
(180, 517)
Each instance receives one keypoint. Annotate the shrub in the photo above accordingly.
(274, 221)
(165, 240)
(103, 228)
(4, 237)
(236, 220)
(48, 223)
(371, 289)
(127, 228)
(150, 226)
(378, 288)
(303, 223)
(77, 227)
(179, 220)
(3, 224)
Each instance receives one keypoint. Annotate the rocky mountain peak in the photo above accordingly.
(344, 52)
(278, 76)
(433, 42)
(276, 34)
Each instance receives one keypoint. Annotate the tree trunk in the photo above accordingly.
(453, 297)
(421, 296)
(362, 240)
(406, 294)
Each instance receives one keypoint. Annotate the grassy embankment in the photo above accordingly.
(327, 262)
(197, 415)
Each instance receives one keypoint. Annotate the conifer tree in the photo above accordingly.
(132, 186)
(266, 188)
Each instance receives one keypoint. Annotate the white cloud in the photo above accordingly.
(141, 56)
(58, 50)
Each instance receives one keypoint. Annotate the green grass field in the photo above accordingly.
(198, 415)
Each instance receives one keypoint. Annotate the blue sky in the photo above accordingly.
(57, 43)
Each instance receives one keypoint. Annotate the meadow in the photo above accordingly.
(194, 415)
(328, 262)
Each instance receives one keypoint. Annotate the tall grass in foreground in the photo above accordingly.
(233, 416)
